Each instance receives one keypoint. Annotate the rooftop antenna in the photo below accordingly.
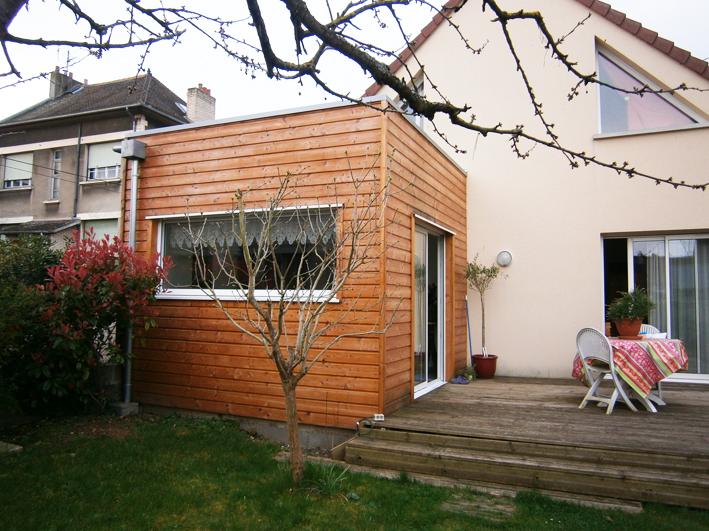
(68, 62)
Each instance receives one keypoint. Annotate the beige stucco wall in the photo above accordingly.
(550, 217)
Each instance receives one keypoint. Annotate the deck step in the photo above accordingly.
(588, 454)
(680, 480)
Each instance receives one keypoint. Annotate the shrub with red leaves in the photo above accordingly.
(100, 288)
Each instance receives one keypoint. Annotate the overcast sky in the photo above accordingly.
(683, 21)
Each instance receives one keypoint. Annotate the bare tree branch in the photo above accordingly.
(146, 25)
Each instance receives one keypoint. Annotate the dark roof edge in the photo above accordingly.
(88, 113)
(604, 9)
(652, 38)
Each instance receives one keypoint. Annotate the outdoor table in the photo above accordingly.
(643, 363)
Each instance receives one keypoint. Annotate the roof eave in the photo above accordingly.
(89, 113)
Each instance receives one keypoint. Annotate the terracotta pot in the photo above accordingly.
(628, 327)
(485, 366)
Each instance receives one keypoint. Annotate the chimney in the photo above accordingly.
(60, 84)
(200, 104)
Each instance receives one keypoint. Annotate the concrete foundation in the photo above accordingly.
(126, 409)
(310, 436)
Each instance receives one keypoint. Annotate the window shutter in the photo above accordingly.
(104, 163)
(18, 166)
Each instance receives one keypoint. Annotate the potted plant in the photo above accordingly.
(480, 278)
(629, 310)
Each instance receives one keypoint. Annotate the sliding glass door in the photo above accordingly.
(675, 272)
(428, 311)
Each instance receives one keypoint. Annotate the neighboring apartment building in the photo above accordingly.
(576, 236)
(58, 168)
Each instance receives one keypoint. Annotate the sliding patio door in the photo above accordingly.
(429, 321)
(675, 272)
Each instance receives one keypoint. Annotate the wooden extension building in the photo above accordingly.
(197, 360)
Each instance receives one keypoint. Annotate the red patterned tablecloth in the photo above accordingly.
(641, 364)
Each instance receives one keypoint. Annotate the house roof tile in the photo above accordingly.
(143, 90)
(604, 9)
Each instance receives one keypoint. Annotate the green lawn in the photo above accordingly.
(172, 473)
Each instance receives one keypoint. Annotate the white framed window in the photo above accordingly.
(17, 170)
(207, 253)
(104, 163)
(624, 112)
(56, 175)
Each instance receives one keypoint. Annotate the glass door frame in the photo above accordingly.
(429, 385)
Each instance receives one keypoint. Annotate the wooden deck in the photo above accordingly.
(530, 433)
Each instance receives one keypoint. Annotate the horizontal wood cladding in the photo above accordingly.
(433, 187)
(196, 359)
(322, 123)
(264, 384)
(246, 155)
(239, 166)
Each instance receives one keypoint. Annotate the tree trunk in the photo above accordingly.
(296, 452)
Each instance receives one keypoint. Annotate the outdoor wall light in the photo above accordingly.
(504, 258)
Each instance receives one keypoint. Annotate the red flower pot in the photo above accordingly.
(628, 327)
(485, 366)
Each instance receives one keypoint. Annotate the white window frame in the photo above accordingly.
(97, 172)
(203, 294)
(14, 184)
(642, 78)
(56, 175)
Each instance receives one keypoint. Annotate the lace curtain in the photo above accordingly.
(291, 228)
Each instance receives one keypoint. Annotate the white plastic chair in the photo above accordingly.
(649, 329)
(594, 347)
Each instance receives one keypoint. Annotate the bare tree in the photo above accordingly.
(250, 41)
(287, 264)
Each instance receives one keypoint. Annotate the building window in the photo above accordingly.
(104, 163)
(623, 112)
(17, 170)
(101, 228)
(675, 272)
(207, 253)
(56, 175)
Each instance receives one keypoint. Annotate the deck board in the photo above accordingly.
(546, 411)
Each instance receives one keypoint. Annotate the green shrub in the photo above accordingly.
(99, 287)
(23, 265)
